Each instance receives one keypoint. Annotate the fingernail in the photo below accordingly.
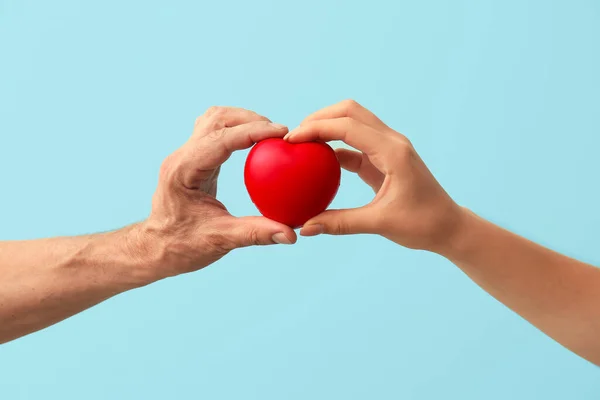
(278, 126)
(280, 238)
(290, 134)
(312, 230)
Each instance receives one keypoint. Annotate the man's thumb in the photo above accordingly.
(259, 231)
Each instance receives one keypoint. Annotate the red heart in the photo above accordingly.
(291, 183)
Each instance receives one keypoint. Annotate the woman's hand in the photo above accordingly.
(557, 294)
(410, 206)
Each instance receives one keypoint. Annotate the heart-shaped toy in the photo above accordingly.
(291, 183)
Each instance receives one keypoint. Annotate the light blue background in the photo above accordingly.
(500, 98)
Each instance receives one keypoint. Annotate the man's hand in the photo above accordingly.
(188, 227)
(47, 280)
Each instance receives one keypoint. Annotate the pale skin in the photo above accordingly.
(48, 280)
(557, 294)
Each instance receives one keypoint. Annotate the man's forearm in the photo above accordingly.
(559, 295)
(45, 281)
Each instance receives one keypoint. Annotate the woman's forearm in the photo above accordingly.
(45, 281)
(557, 294)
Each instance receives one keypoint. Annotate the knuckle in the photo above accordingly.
(216, 120)
(350, 106)
(349, 123)
(403, 149)
(213, 111)
(405, 146)
(218, 243)
(252, 237)
(341, 228)
(216, 135)
(168, 165)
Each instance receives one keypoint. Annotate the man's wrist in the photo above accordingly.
(140, 246)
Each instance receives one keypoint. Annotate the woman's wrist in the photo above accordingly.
(460, 237)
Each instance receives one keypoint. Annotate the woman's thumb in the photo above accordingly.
(338, 222)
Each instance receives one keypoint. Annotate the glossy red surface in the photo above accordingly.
(291, 183)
